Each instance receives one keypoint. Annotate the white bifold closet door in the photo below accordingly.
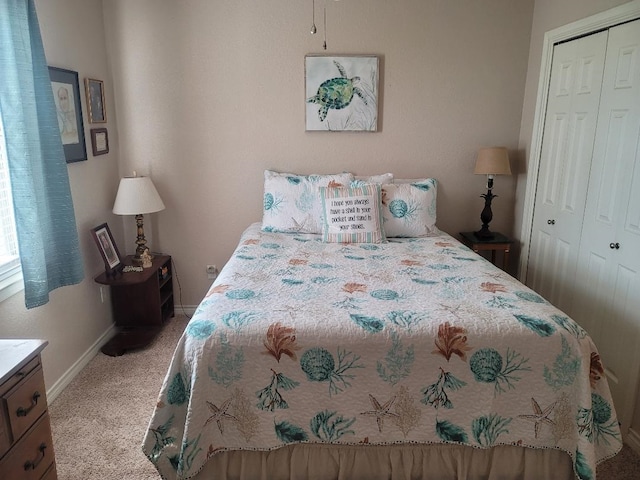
(608, 273)
(570, 126)
(585, 242)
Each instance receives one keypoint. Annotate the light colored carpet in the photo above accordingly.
(99, 420)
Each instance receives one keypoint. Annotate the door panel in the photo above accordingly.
(572, 108)
(632, 221)
(610, 230)
(612, 167)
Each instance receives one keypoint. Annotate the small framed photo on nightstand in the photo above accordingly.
(108, 249)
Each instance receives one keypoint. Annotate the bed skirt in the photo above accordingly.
(374, 462)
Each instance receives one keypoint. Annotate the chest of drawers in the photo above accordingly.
(26, 447)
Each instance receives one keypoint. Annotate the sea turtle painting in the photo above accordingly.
(336, 93)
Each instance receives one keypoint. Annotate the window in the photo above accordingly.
(10, 272)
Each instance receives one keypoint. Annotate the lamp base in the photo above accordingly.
(484, 233)
(486, 217)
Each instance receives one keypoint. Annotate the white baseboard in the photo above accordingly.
(65, 379)
(82, 362)
(185, 310)
(633, 440)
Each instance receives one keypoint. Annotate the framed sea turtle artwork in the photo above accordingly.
(341, 93)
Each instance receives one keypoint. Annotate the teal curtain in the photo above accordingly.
(45, 219)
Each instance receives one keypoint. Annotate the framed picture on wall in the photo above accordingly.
(341, 93)
(99, 141)
(108, 249)
(66, 96)
(94, 90)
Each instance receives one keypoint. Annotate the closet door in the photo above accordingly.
(608, 275)
(570, 124)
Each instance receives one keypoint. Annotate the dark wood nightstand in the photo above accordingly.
(141, 303)
(498, 243)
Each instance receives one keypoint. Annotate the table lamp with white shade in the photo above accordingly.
(137, 196)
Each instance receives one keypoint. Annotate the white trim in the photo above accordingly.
(11, 285)
(76, 368)
(185, 309)
(623, 13)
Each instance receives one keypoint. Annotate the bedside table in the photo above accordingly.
(141, 303)
(498, 243)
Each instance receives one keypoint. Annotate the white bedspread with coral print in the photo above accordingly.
(415, 340)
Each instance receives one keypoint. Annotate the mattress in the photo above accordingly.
(413, 342)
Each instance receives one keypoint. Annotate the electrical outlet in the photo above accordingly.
(212, 272)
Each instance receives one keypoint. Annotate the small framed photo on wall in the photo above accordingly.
(94, 90)
(99, 141)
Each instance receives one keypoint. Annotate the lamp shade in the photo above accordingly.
(493, 161)
(137, 195)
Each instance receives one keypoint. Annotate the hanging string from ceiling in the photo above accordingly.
(324, 45)
(313, 16)
(314, 29)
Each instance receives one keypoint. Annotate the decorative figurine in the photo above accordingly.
(146, 259)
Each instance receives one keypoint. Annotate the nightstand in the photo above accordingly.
(498, 243)
(141, 303)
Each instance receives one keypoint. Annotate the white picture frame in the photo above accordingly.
(341, 93)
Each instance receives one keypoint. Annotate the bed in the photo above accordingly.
(315, 355)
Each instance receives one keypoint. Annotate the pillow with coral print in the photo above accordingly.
(381, 179)
(292, 202)
(409, 209)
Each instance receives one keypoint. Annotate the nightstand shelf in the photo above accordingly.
(498, 243)
(141, 302)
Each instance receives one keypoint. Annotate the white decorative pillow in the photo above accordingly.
(409, 209)
(292, 202)
(381, 179)
(352, 214)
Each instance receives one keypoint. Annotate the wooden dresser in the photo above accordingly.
(26, 447)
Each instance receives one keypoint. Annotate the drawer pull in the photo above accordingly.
(33, 464)
(23, 412)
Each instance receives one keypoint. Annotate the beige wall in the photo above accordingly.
(75, 318)
(548, 14)
(211, 93)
